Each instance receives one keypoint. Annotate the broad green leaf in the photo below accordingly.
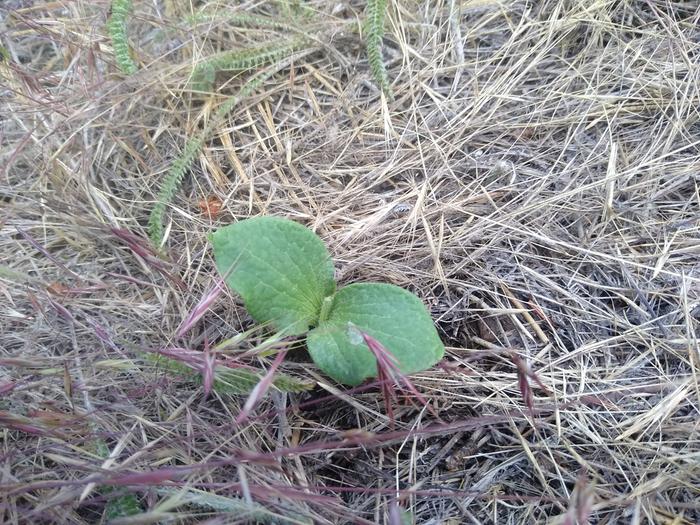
(281, 269)
(392, 315)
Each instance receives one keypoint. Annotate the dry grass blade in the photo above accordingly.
(534, 180)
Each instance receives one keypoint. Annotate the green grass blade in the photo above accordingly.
(376, 10)
(176, 173)
(230, 380)
(116, 27)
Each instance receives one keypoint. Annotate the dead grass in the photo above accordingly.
(535, 181)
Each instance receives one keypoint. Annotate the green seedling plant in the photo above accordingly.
(286, 278)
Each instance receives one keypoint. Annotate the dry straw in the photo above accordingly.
(534, 181)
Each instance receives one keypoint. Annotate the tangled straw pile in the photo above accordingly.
(534, 180)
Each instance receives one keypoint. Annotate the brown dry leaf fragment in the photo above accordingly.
(210, 207)
(57, 288)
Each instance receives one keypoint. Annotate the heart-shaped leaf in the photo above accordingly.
(281, 269)
(393, 316)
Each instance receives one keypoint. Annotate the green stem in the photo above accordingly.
(326, 306)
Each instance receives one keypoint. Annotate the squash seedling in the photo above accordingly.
(285, 276)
